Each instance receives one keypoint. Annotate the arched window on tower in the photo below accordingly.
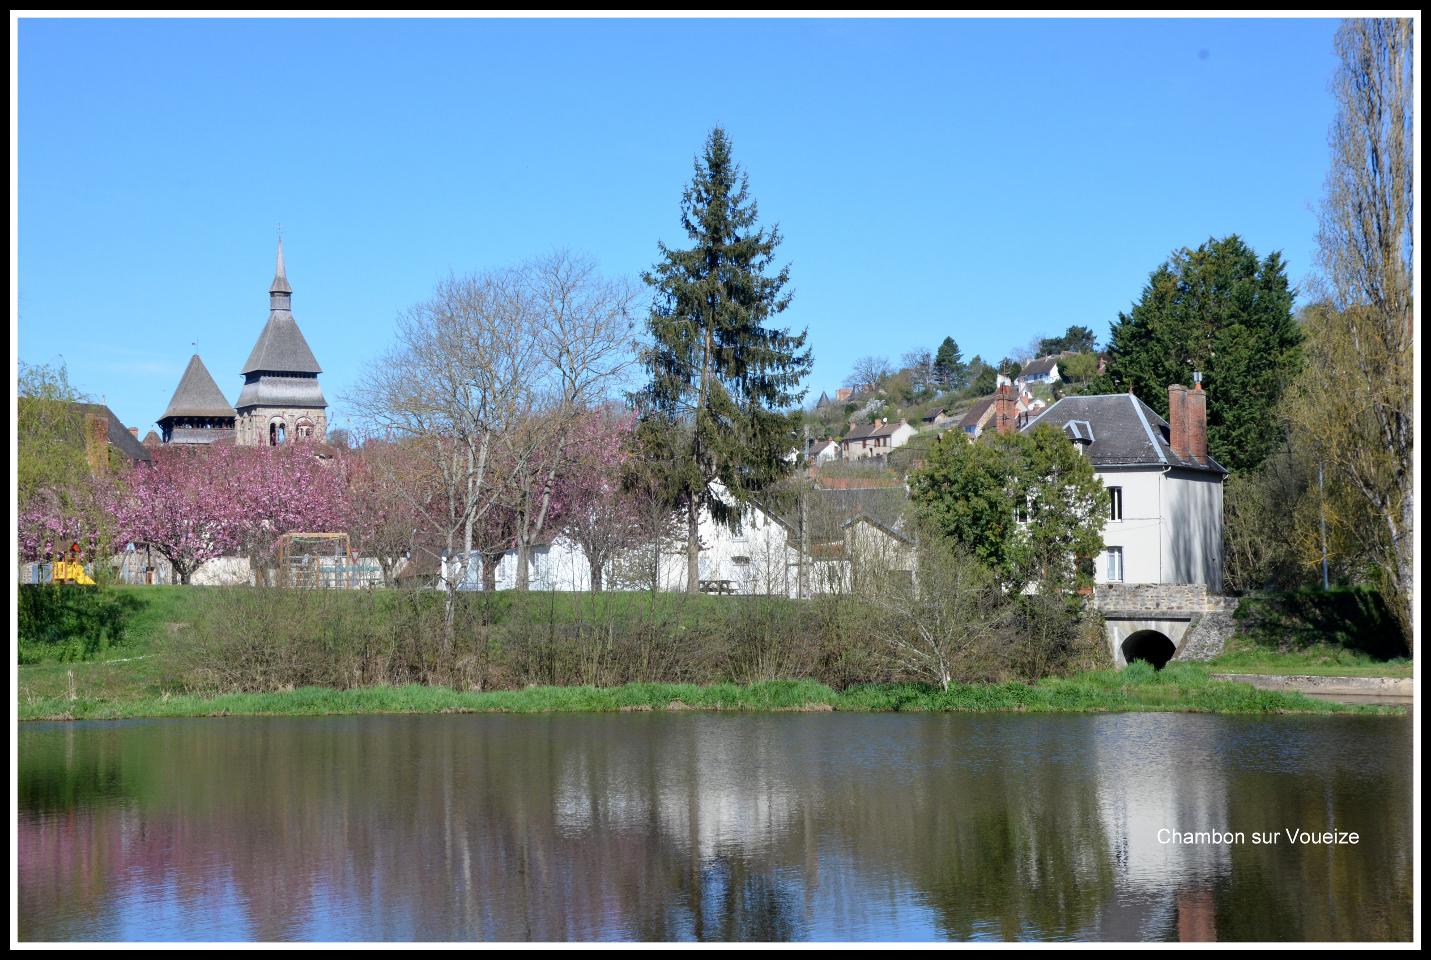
(303, 430)
(276, 433)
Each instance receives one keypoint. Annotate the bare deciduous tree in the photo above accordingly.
(462, 374)
(584, 337)
(947, 621)
(1355, 400)
(868, 373)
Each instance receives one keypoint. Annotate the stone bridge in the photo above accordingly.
(1159, 622)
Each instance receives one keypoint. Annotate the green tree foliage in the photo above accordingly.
(1221, 311)
(1026, 504)
(1354, 404)
(717, 372)
(1079, 368)
(950, 371)
(984, 381)
(50, 429)
(1076, 339)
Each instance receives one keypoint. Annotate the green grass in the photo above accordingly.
(133, 680)
(1181, 687)
(1324, 660)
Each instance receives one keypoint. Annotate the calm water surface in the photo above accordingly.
(712, 827)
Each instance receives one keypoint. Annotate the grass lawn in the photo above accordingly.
(114, 691)
(132, 678)
(1326, 661)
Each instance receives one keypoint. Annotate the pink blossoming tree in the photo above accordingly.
(193, 504)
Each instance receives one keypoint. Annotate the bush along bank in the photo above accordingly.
(203, 651)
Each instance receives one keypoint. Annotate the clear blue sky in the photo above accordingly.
(989, 180)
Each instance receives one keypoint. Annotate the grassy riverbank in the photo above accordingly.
(171, 651)
(1180, 687)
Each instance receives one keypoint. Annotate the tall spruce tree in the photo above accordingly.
(720, 403)
(950, 371)
(1221, 311)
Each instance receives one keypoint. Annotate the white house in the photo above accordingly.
(823, 451)
(1041, 370)
(1164, 490)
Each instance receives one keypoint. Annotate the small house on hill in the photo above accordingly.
(873, 439)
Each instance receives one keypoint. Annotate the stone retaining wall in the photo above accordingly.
(1157, 598)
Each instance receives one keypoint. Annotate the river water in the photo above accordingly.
(713, 826)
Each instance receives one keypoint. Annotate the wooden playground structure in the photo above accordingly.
(317, 560)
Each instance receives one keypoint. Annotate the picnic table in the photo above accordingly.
(722, 587)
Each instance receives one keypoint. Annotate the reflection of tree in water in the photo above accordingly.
(1005, 842)
(1325, 893)
(648, 827)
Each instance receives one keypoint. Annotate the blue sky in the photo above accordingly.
(992, 180)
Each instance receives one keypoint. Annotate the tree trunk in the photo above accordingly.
(595, 574)
(693, 547)
(523, 558)
(490, 562)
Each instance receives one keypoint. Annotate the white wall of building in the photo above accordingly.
(1192, 519)
(1171, 531)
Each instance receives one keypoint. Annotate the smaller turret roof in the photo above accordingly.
(197, 394)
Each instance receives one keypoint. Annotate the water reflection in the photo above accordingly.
(711, 827)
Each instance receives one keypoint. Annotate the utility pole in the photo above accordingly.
(1322, 510)
(804, 535)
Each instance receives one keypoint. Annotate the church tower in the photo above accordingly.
(198, 412)
(281, 400)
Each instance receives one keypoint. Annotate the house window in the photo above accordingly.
(1115, 503)
(1115, 564)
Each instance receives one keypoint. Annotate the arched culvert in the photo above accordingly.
(1149, 646)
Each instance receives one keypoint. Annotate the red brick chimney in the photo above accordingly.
(1197, 420)
(134, 432)
(1178, 420)
(1004, 409)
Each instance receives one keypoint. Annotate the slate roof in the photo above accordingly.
(281, 348)
(279, 391)
(868, 431)
(977, 413)
(197, 395)
(828, 511)
(1126, 432)
(1040, 367)
(118, 435)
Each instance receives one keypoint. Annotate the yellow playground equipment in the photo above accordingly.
(69, 570)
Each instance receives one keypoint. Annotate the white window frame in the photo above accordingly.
(1115, 564)
(1115, 504)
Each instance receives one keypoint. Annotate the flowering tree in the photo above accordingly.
(389, 491)
(185, 504)
(193, 504)
(49, 522)
(601, 511)
(287, 489)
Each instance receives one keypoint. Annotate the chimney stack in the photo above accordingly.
(1004, 409)
(1178, 420)
(1197, 420)
(134, 432)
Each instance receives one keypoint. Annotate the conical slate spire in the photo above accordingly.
(197, 394)
(281, 348)
(280, 277)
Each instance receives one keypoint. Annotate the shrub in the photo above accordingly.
(70, 622)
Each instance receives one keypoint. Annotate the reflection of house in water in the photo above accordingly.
(713, 790)
(1166, 779)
